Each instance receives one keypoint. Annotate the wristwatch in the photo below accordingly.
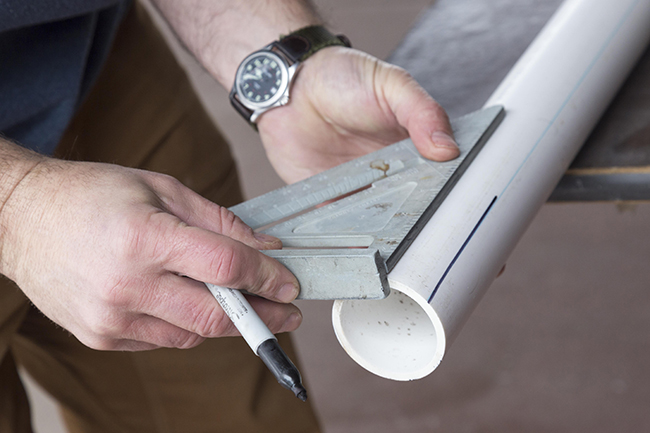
(264, 78)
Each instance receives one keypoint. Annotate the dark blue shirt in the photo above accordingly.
(51, 51)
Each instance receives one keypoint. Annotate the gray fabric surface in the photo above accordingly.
(460, 50)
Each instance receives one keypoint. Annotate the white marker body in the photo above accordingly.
(245, 319)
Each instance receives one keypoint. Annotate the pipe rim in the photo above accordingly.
(392, 351)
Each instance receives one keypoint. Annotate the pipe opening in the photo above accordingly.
(399, 338)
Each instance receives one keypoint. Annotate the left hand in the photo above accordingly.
(345, 104)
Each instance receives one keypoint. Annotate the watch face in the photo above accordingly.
(261, 79)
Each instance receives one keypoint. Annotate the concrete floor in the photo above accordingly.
(558, 344)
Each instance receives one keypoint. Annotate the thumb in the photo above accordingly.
(424, 119)
(197, 211)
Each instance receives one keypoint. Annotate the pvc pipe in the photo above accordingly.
(553, 98)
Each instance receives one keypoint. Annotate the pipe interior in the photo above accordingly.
(396, 338)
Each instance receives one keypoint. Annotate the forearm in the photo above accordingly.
(15, 163)
(220, 33)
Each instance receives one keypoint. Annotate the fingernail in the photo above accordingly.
(292, 323)
(267, 239)
(440, 139)
(287, 293)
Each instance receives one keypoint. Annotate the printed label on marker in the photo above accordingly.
(240, 312)
(233, 306)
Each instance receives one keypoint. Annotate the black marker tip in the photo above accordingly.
(300, 392)
(282, 368)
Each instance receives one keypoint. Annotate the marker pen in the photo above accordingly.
(259, 338)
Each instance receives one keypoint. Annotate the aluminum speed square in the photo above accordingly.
(344, 229)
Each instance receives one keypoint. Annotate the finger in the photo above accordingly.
(132, 346)
(425, 120)
(212, 258)
(159, 333)
(111, 343)
(138, 331)
(188, 305)
(197, 211)
(276, 323)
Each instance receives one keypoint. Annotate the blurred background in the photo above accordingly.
(559, 343)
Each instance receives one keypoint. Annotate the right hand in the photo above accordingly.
(116, 256)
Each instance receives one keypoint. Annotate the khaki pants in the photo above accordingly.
(143, 113)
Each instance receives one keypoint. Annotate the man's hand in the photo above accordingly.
(115, 256)
(344, 104)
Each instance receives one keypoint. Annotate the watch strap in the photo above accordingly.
(304, 42)
(241, 108)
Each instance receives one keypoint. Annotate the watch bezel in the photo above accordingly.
(282, 90)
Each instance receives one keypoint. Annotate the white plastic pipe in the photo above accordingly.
(553, 98)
